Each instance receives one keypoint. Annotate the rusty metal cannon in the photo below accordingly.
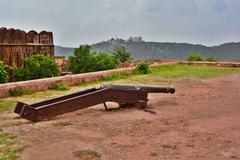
(123, 94)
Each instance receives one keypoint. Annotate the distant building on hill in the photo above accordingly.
(15, 45)
(135, 39)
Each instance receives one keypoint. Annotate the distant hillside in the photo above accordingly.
(157, 50)
(63, 51)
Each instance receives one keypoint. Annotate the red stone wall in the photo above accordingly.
(16, 44)
(43, 84)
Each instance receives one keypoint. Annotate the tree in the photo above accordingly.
(3, 72)
(81, 61)
(104, 62)
(211, 59)
(194, 57)
(84, 60)
(121, 54)
(37, 66)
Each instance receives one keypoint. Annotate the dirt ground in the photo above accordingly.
(200, 121)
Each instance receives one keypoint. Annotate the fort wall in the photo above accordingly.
(15, 45)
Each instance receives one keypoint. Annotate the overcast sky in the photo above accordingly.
(74, 22)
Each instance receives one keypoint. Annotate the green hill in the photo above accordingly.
(158, 50)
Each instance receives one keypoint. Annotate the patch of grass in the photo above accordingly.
(87, 155)
(41, 95)
(79, 83)
(15, 92)
(179, 70)
(59, 86)
(86, 83)
(115, 77)
(5, 105)
(7, 151)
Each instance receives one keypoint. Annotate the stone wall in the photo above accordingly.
(43, 84)
(17, 44)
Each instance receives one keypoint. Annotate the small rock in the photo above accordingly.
(172, 146)
(153, 154)
(190, 145)
(229, 155)
(150, 111)
(142, 143)
(220, 145)
(228, 141)
(78, 114)
(113, 143)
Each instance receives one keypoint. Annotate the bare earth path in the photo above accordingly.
(201, 121)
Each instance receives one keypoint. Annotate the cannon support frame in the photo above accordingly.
(123, 94)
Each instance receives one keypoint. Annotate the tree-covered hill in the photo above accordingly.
(63, 51)
(158, 50)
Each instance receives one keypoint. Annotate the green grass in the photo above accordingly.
(59, 86)
(5, 105)
(15, 92)
(105, 79)
(116, 77)
(7, 151)
(177, 70)
(86, 84)
(87, 155)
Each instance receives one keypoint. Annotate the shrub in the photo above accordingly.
(194, 57)
(84, 60)
(104, 62)
(211, 59)
(142, 68)
(59, 86)
(37, 66)
(3, 72)
(16, 92)
(22, 74)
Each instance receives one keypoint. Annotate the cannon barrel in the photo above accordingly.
(149, 89)
(158, 89)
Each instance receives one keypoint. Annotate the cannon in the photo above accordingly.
(122, 94)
